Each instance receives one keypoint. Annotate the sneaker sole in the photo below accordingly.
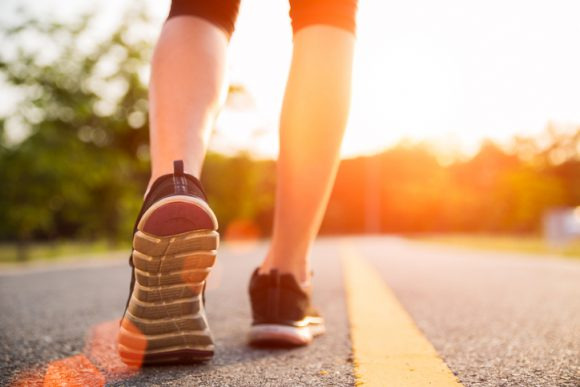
(165, 321)
(283, 335)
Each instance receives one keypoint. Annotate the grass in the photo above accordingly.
(522, 244)
(55, 251)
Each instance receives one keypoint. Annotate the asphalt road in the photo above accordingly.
(497, 319)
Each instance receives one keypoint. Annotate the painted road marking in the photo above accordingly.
(388, 348)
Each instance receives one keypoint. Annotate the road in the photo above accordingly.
(496, 319)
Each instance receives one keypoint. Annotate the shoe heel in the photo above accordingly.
(165, 320)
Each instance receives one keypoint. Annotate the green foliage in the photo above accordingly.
(69, 174)
(240, 188)
(80, 162)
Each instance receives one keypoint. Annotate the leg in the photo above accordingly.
(187, 86)
(312, 123)
(314, 116)
(175, 236)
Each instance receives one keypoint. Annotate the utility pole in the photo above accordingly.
(372, 195)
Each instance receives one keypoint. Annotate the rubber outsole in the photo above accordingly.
(165, 321)
(277, 335)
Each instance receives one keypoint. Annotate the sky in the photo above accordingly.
(453, 72)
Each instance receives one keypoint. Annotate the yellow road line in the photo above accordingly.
(389, 350)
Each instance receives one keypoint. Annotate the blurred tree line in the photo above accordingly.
(74, 157)
(495, 191)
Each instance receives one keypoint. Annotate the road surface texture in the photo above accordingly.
(496, 319)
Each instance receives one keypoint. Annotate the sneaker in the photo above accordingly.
(282, 311)
(174, 248)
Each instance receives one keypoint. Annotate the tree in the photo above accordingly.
(82, 119)
(80, 164)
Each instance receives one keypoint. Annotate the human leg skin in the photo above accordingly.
(186, 90)
(313, 119)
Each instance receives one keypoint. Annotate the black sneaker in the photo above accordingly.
(174, 248)
(282, 311)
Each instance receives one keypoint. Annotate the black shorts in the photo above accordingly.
(223, 13)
